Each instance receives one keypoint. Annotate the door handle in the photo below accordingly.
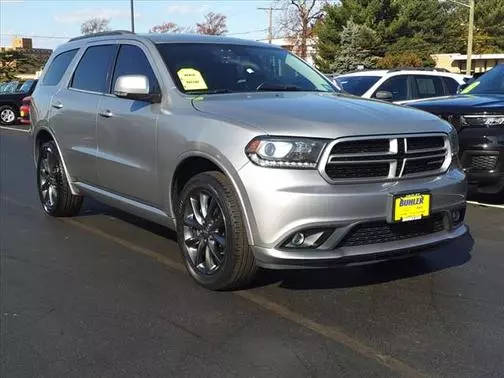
(106, 114)
(57, 105)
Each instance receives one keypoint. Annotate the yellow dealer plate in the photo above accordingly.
(410, 207)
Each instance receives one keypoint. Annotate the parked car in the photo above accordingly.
(10, 102)
(401, 85)
(245, 150)
(478, 115)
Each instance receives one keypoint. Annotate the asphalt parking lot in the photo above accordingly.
(105, 294)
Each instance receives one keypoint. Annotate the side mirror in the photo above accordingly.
(135, 87)
(384, 96)
(461, 87)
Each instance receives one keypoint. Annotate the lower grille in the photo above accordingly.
(484, 162)
(383, 232)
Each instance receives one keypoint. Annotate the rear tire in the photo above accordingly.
(211, 233)
(54, 192)
(8, 115)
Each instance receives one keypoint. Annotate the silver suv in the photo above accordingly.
(245, 150)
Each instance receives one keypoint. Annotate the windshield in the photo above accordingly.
(490, 83)
(25, 88)
(202, 68)
(357, 85)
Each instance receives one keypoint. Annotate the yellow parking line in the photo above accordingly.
(486, 204)
(15, 129)
(331, 332)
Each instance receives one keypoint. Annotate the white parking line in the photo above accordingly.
(15, 129)
(485, 204)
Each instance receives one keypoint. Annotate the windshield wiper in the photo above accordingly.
(278, 87)
(264, 87)
(211, 91)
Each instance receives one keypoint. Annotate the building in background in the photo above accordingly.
(37, 57)
(457, 62)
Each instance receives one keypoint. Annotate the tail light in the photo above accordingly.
(24, 111)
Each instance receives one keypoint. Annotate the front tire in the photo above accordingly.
(211, 233)
(54, 192)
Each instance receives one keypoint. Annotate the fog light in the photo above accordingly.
(309, 238)
(298, 239)
(456, 216)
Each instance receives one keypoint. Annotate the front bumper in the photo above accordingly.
(482, 157)
(283, 202)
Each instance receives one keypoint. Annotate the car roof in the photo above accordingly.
(159, 38)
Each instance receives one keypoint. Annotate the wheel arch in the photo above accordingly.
(192, 163)
(44, 135)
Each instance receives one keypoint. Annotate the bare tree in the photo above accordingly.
(95, 25)
(214, 24)
(298, 21)
(170, 27)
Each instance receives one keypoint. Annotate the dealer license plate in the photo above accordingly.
(410, 207)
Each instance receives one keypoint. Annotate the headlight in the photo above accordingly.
(482, 120)
(277, 152)
(454, 141)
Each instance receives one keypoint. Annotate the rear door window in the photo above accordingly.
(357, 85)
(451, 85)
(428, 86)
(131, 60)
(58, 67)
(93, 71)
(398, 86)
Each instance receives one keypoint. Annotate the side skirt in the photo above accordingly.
(126, 204)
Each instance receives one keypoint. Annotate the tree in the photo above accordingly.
(95, 25)
(298, 21)
(397, 60)
(407, 26)
(169, 27)
(357, 43)
(214, 24)
(10, 61)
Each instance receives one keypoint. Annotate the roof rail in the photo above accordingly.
(434, 69)
(102, 34)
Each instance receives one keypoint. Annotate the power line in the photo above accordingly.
(35, 36)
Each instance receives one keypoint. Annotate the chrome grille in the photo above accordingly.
(385, 158)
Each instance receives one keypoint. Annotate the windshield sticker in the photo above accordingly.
(191, 79)
(470, 87)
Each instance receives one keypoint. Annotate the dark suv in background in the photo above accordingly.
(12, 100)
(478, 115)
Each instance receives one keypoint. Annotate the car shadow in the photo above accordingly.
(490, 199)
(433, 259)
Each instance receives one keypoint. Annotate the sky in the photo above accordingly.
(53, 18)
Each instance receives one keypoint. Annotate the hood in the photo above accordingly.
(318, 115)
(466, 104)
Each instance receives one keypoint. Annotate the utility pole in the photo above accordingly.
(270, 28)
(132, 16)
(470, 33)
(470, 37)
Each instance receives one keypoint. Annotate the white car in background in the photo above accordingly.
(400, 85)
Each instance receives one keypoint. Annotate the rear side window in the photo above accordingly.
(132, 61)
(93, 69)
(58, 67)
(428, 86)
(398, 86)
(451, 84)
